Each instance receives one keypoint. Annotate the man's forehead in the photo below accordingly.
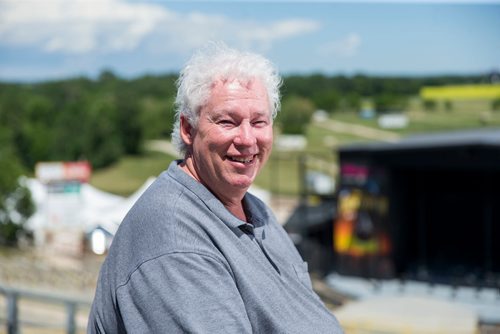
(234, 82)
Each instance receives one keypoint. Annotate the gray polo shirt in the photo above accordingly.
(182, 263)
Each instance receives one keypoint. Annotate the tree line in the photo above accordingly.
(100, 120)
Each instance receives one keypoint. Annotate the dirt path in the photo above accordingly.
(358, 130)
(162, 145)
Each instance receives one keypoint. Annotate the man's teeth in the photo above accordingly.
(243, 160)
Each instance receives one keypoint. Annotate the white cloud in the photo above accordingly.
(345, 47)
(265, 35)
(77, 26)
(83, 26)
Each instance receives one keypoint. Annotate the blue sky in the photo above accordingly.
(53, 39)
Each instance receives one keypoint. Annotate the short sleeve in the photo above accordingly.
(182, 293)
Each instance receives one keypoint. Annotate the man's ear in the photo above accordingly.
(186, 131)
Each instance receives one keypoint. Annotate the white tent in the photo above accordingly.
(90, 208)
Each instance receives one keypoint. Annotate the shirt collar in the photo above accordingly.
(254, 209)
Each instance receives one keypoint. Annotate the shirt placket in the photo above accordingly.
(257, 237)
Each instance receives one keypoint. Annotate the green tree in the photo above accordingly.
(16, 205)
(157, 117)
(326, 100)
(295, 114)
(129, 124)
(448, 105)
(351, 101)
(389, 102)
(102, 145)
(429, 105)
(495, 105)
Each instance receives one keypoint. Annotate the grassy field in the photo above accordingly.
(282, 173)
(126, 176)
(464, 115)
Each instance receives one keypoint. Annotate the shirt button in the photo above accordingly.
(247, 228)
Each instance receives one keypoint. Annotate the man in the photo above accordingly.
(197, 253)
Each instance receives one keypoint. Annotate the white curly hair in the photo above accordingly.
(215, 62)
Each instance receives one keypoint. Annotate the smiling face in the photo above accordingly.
(233, 138)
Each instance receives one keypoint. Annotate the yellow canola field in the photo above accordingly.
(461, 92)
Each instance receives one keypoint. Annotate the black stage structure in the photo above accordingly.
(426, 207)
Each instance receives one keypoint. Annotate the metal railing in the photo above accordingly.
(13, 295)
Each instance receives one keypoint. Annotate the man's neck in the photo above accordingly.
(237, 210)
(233, 203)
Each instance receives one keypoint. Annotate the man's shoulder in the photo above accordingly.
(163, 190)
(165, 215)
(166, 219)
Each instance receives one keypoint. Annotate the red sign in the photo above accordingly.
(63, 171)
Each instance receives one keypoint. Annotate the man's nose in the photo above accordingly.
(245, 135)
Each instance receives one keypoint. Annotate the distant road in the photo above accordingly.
(162, 145)
(358, 130)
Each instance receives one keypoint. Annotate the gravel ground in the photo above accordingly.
(46, 273)
(31, 269)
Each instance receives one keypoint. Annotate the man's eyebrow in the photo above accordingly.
(218, 113)
(229, 112)
(266, 114)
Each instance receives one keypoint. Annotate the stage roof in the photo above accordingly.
(471, 149)
(475, 137)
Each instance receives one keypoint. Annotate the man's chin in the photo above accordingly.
(242, 183)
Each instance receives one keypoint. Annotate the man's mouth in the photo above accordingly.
(244, 160)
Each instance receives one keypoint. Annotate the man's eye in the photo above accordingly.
(225, 122)
(260, 123)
